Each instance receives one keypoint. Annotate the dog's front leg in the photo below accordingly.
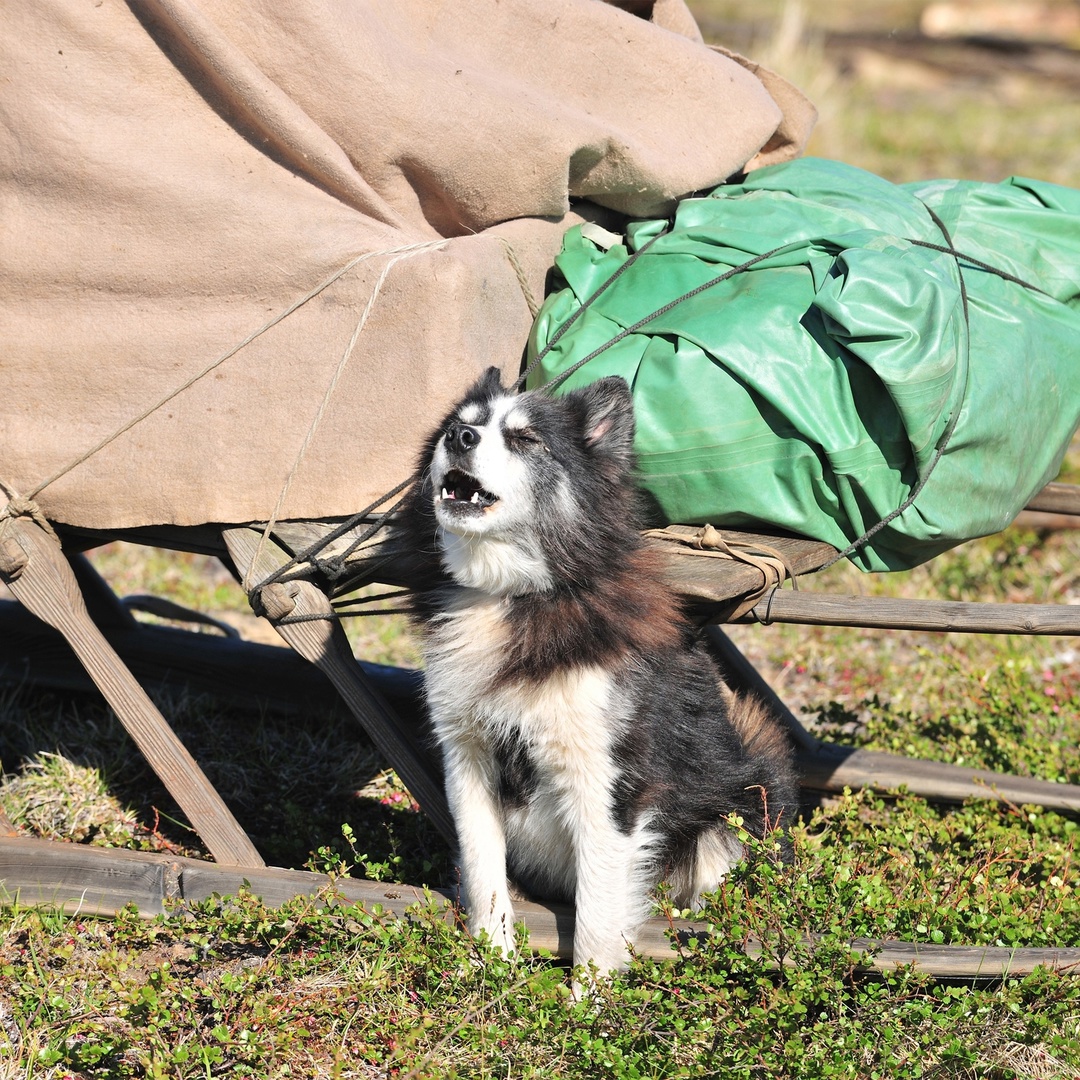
(612, 896)
(470, 790)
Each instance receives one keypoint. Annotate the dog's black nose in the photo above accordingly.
(461, 437)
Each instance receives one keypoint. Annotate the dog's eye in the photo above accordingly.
(524, 438)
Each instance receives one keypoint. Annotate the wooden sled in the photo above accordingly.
(67, 613)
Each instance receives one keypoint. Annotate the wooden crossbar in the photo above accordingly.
(888, 613)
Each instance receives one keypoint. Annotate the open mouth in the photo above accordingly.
(461, 491)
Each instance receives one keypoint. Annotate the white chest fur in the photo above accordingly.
(566, 720)
(493, 565)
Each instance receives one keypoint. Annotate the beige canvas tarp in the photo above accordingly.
(250, 249)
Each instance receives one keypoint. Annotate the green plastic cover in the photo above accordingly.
(818, 389)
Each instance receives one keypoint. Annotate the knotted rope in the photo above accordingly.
(711, 542)
(18, 506)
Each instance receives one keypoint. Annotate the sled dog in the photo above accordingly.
(591, 748)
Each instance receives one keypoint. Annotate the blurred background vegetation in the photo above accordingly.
(992, 91)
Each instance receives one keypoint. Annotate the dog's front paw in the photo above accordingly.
(495, 922)
(599, 956)
(496, 927)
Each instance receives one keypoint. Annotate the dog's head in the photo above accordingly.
(518, 482)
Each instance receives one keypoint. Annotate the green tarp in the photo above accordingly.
(814, 390)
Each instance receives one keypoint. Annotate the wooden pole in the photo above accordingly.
(34, 568)
(1057, 498)
(322, 641)
(100, 881)
(887, 613)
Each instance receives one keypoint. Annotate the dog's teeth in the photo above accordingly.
(475, 497)
(446, 494)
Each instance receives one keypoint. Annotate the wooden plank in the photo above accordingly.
(1057, 498)
(700, 577)
(388, 560)
(34, 568)
(275, 886)
(887, 613)
(101, 881)
(831, 768)
(967, 961)
(886, 955)
(91, 881)
(321, 639)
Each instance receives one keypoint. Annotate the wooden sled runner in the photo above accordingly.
(57, 586)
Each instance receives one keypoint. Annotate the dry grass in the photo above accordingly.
(57, 799)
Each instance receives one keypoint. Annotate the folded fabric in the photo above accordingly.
(253, 249)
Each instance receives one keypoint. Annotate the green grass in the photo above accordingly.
(232, 988)
(293, 782)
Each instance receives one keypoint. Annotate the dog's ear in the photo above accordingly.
(607, 412)
(487, 386)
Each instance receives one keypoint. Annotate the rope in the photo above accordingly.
(977, 263)
(523, 278)
(337, 616)
(20, 506)
(308, 555)
(769, 561)
(338, 563)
